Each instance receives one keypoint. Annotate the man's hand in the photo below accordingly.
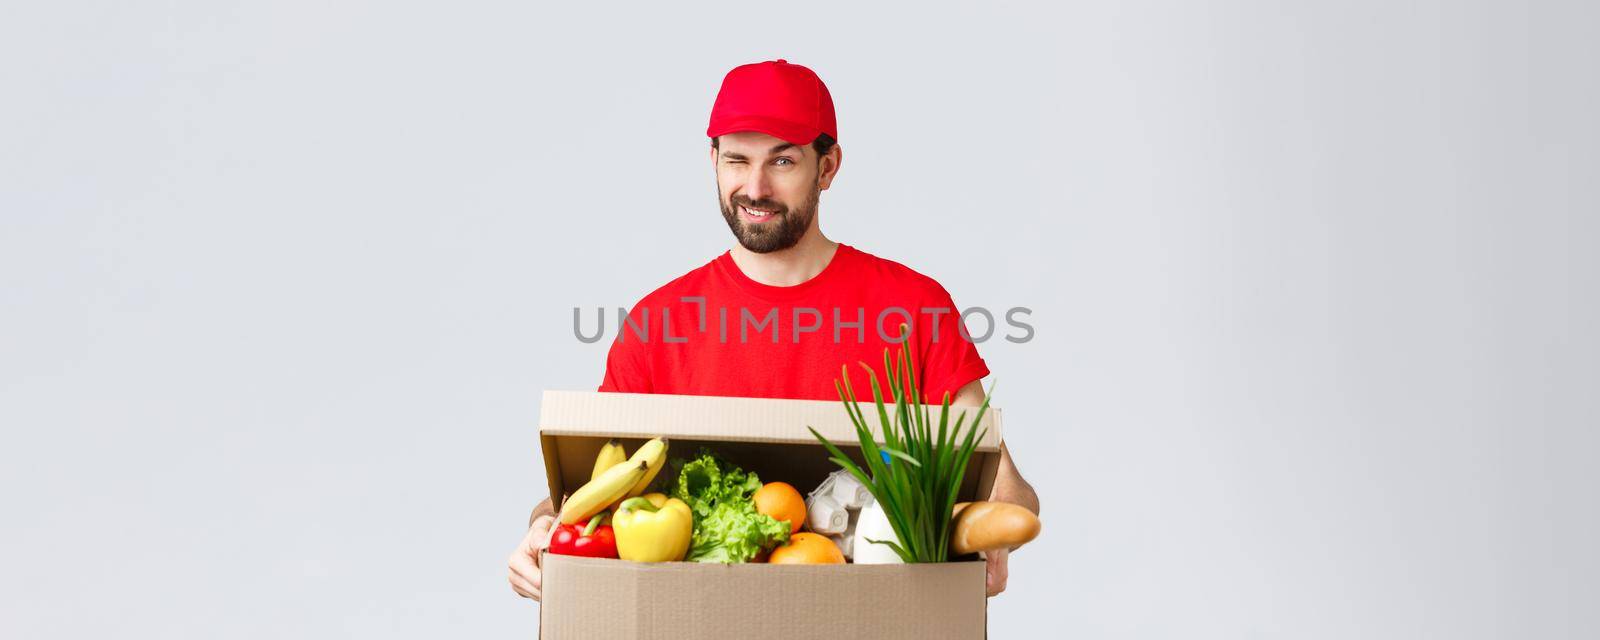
(996, 570)
(1008, 487)
(526, 577)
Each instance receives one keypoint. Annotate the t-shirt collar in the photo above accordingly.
(842, 254)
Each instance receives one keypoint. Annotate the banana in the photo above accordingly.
(653, 454)
(597, 494)
(610, 455)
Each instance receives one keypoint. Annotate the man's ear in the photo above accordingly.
(828, 167)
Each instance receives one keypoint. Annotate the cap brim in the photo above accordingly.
(784, 130)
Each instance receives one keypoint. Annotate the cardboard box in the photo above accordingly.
(598, 598)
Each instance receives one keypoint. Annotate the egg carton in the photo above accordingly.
(833, 508)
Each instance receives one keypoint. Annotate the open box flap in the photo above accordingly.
(574, 424)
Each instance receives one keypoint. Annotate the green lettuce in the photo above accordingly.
(727, 527)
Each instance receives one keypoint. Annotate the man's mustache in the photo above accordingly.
(764, 206)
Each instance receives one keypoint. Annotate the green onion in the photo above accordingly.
(917, 482)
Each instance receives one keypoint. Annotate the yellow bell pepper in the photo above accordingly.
(652, 528)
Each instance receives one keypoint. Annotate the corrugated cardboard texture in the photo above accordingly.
(646, 415)
(591, 598)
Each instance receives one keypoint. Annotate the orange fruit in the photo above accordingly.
(781, 501)
(807, 548)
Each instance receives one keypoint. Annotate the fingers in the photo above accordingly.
(996, 572)
(993, 588)
(524, 587)
(542, 531)
(539, 536)
(525, 576)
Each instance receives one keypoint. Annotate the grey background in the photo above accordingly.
(280, 284)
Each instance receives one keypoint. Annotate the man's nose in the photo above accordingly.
(756, 187)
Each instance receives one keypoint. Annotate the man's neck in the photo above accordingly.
(787, 267)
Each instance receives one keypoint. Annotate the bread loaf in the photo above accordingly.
(989, 526)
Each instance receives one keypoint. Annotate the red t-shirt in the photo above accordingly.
(714, 331)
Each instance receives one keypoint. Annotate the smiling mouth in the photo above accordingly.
(755, 214)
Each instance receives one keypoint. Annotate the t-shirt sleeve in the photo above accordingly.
(949, 360)
(627, 365)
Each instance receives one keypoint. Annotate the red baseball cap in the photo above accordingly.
(776, 98)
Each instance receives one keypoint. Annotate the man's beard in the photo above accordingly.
(781, 230)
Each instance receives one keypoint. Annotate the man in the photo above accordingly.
(754, 321)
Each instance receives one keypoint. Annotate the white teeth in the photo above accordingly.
(756, 212)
